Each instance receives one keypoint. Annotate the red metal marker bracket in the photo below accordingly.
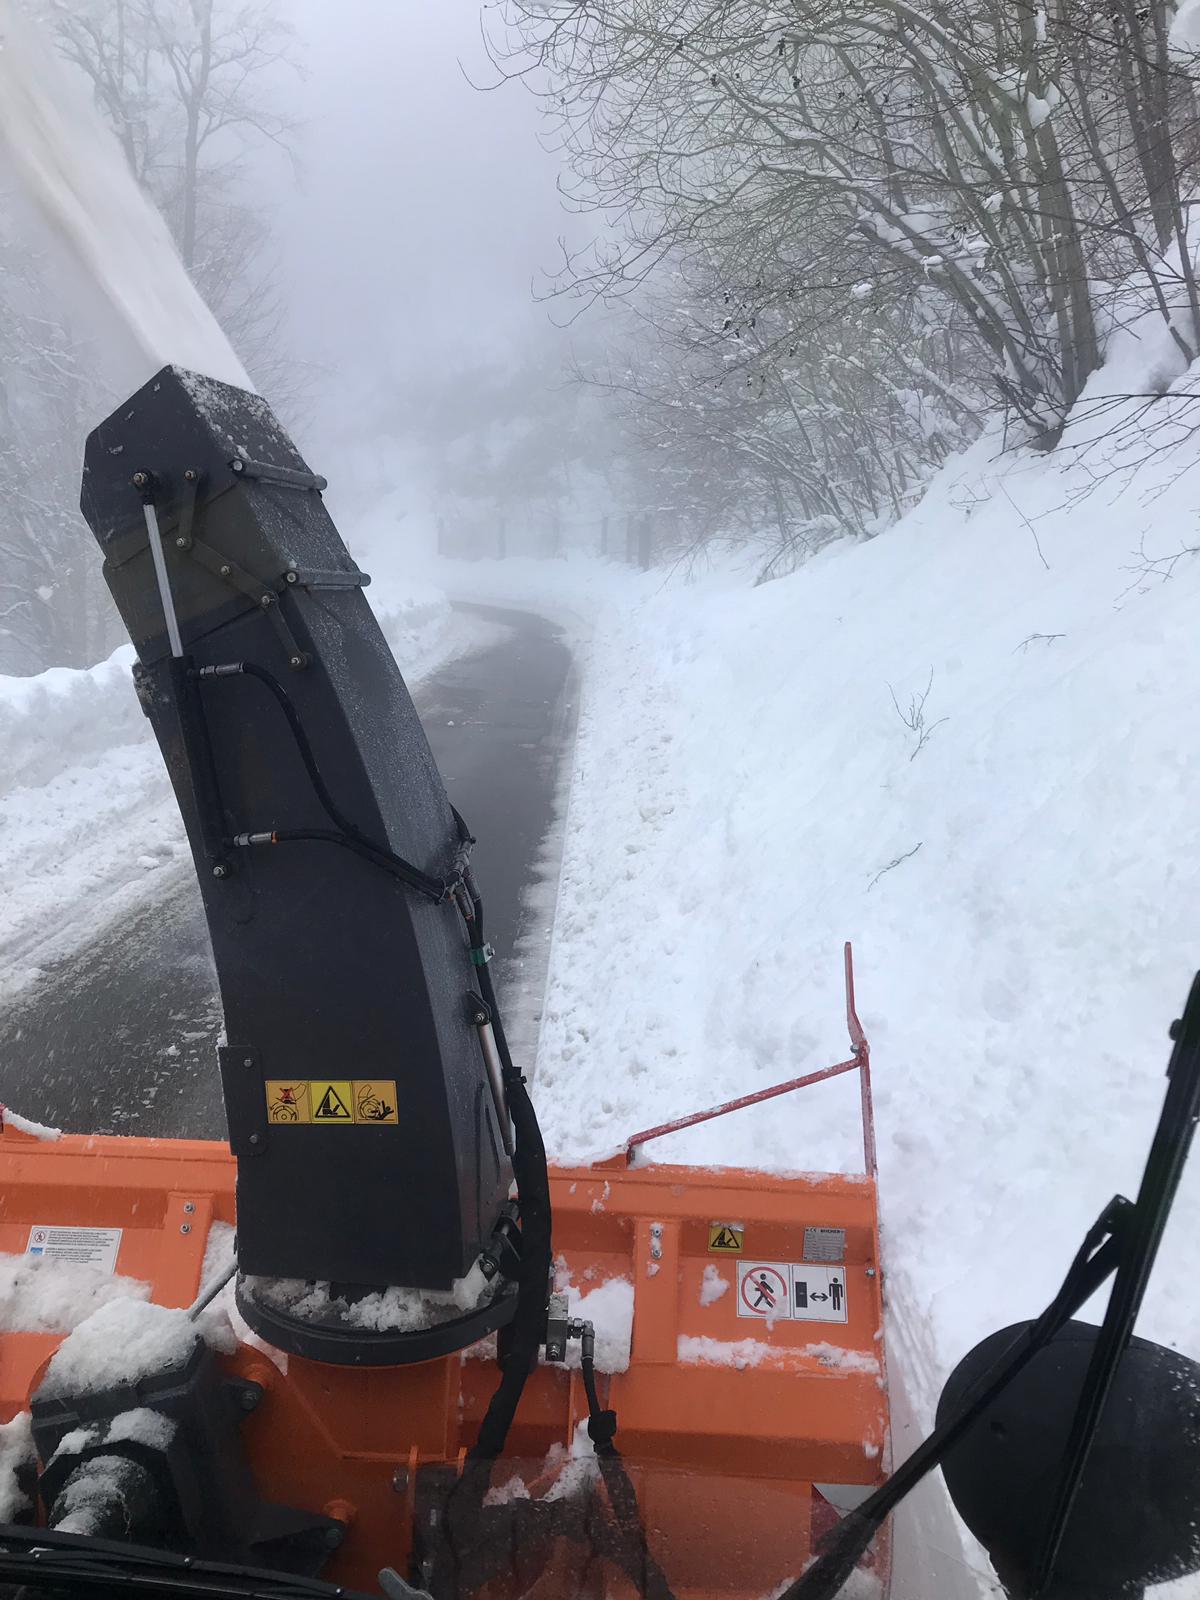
(860, 1062)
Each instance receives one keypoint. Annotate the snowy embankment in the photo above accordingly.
(1017, 871)
(86, 812)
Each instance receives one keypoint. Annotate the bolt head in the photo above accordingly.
(190, 475)
(296, 661)
(220, 870)
(247, 1061)
(224, 572)
(870, 1272)
(292, 577)
(181, 544)
(185, 1227)
(189, 1205)
(254, 1139)
(267, 600)
(140, 480)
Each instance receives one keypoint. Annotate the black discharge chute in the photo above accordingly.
(364, 1091)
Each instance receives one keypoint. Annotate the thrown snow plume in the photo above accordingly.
(72, 168)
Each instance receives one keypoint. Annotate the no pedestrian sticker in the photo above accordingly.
(723, 1236)
(332, 1102)
(84, 1247)
(794, 1291)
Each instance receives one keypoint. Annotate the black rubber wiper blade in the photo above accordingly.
(39, 1558)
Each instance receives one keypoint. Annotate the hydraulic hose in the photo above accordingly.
(347, 833)
(460, 1523)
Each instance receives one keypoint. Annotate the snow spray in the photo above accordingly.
(73, 170)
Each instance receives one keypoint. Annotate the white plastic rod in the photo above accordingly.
(164, 582)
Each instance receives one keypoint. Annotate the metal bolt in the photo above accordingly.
(292, 577)
(189, 1205)
(225, 572)
(267, 600)
(185, 1227)
(181, 543)
(140, 480)
(220, 870)
(870, 1272)
(248, 1395)
(295, 661)
(247, 1061)
(190, 475)
(400, 1480)
(480, 1018)
(237, 465)
(254, 1139)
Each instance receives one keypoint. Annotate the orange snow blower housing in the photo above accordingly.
(491, 1377)
(752, 1381)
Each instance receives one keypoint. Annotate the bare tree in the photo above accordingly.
(883, 217)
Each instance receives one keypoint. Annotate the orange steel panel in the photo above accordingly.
(724, 1438)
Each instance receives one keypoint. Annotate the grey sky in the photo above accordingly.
(425, 207)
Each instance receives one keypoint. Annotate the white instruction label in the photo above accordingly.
(86, 1247)
(793, 1291)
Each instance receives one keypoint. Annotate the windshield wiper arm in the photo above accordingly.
(41, 1558)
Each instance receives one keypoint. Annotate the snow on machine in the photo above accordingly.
(374, 1344)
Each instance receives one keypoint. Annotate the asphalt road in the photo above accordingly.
(121, 1037)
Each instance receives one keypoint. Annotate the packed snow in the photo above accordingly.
(121, 1342)
(387, 1310)
(41, 1294)
(18, 1464)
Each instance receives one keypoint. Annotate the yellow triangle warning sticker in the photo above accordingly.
(722, 1236)
(331, 1102)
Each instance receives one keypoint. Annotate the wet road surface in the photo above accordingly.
(121, 1036)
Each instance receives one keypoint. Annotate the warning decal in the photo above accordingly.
(85, 1247)
(375, 1101)
(724, 1236)
(332, 1102)
(800, 1292)
(763, 1290)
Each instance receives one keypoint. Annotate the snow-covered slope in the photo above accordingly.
(1020, 887)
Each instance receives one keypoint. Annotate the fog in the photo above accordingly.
(423, 209)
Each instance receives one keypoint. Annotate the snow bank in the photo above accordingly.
(1017, 870)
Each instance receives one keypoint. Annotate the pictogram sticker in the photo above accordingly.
(287, 1102)
(375, 1101)
(818, 1293)
(763, 1290)
(724, 1236)
(332, 1102)
(796, 1291)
